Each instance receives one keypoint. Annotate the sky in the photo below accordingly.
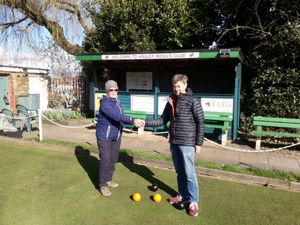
(9, 57)
(16, 51)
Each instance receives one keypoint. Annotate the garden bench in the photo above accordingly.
(137, 115)
(260, 122)
(219, 120)
(28, 116)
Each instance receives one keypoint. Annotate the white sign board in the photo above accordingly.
(217, 104)
(138, 81)
(142, 103)
(162, 101)
(171, 55)
(146, 103)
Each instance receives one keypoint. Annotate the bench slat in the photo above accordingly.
(135, 114)
(276, 119)
(218, 113)
(214, 126)
(276, 124)
(275, 134)
(216, 118)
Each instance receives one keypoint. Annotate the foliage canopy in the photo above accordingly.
(267, 31)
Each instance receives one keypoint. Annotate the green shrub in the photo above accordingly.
(63, 114)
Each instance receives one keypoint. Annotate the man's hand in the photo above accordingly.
(197, 149)
(139, 123)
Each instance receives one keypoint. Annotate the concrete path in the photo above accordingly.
(285, 160)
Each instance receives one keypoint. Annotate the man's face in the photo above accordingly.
(179, 88)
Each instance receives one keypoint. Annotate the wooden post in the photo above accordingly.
(224, 137)
(40, 125)
(258, 137)
(257, 144)
(140, 130)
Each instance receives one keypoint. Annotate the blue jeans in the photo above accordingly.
(183, 159)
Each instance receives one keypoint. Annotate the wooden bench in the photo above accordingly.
(275, 122)
(137, 115)
(219, 120)
(28, 116)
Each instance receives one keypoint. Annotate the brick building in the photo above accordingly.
(23, 85)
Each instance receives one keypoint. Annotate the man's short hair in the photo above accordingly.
(180, 77)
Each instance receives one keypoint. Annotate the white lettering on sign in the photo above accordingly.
(217, 104)
(182, 55)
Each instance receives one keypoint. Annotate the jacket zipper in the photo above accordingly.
(120, 126)
(108, 132)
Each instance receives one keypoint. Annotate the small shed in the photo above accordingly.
(144, 78)
(23, 85)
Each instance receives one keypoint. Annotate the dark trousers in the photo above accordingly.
(109, 154)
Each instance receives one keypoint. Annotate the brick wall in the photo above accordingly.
(21, 84)
(11, 92)
(18, 85)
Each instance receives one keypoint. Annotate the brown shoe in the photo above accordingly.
(105, 191)
(112, 184)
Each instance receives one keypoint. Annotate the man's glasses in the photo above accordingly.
(115, 90)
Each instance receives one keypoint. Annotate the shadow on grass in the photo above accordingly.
(14, 134)
(89, 163)
(145, 173)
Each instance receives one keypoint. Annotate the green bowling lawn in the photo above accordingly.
(39, 186)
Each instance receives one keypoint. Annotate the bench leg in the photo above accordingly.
(140, 130)
(224, 138)
(257, 144)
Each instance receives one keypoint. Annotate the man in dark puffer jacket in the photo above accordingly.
(186, 137)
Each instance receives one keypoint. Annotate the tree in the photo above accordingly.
(141, 25)
(20, 18)
(60, 63)
(266, 30)
(268, 33)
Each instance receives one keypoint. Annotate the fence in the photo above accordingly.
(67, 91)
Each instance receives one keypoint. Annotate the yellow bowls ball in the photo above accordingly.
(136, 197)
(157, 198)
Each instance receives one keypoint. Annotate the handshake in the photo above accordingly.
(139, 123)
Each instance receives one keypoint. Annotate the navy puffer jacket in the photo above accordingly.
(110, 120)
(186, 119)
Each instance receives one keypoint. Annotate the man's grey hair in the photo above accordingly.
(180, 77)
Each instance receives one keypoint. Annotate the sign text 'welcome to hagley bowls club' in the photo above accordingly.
(181, 55)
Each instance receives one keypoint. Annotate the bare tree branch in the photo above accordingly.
(37, 12)
(11, 24)
(73, 9)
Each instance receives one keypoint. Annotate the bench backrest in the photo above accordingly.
(276, 122)
(135, 114)
(9, 114)
(22, 109)
(218, 116)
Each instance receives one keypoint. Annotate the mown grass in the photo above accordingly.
(276, 174)
(39, 186)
